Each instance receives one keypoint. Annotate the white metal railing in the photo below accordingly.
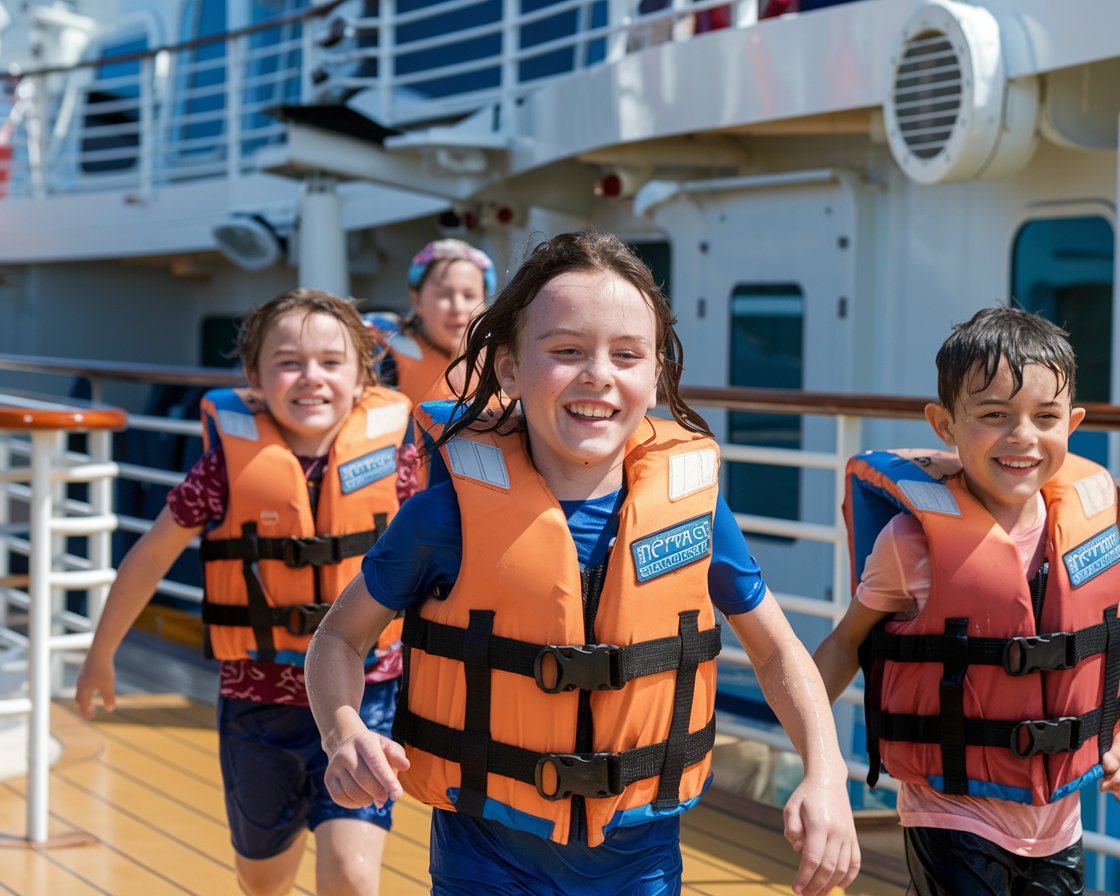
(35, 625)
(848, 413)
(204, 107)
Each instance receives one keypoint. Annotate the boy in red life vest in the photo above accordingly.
(985, 618)
(298, 481)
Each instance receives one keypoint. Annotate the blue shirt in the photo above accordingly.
(422, 550)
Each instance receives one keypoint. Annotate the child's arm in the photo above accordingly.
(137, 578)
(837, 658)
(1110, 762)
(363, 765)
(818, 816)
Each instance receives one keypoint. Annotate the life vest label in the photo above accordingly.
(933, 497)
(1097, 492)
(474, 460)
(1090, 558)
(369, 468)
(691, 472)
(390, 418)
(234, 423)
(673, 547)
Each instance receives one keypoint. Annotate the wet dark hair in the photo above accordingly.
(499, 326)
(305, 300)
(1002, 332)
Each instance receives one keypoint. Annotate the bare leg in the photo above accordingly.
(272, 876)
(348, 857)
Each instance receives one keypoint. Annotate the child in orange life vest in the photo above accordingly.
(448, 281)
(303, 460)
(1007, 539)
(556, 766)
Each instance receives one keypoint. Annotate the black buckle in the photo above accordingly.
(1024, 655)
(303, 619)
(1045, 736)
(593, 775)
(589, 667)
(309, 552)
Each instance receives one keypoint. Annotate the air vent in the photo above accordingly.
(951, 114)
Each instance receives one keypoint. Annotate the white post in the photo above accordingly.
(322, 241)
(5, 517)
(38, 637)
(101, 503)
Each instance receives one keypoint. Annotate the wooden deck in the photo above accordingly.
(136, 808)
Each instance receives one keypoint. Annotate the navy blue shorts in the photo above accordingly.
(273, 766)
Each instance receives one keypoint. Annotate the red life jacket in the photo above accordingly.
(272, 566)
(999, 687)
(513, 703)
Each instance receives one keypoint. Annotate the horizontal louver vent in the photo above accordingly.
(927, 94)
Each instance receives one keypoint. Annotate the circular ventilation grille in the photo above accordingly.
(950, 113)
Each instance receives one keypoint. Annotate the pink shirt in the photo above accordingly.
(896, 580)
(202, 498)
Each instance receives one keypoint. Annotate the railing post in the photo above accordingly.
(38, 637)
(847, 444)
(234, 81)
(511, 14)
(5, 518)
(101, 503)
(387, 48)
(147, 126)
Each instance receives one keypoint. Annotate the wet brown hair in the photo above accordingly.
(1002, 332)
(305, 301)
(498, 326)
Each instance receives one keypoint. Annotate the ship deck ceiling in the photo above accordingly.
(136, 807)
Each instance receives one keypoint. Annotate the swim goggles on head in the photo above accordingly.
(441, 250)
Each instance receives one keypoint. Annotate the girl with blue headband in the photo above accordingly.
(448, 282)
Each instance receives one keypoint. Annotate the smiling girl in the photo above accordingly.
(560, 590)
(297, 483)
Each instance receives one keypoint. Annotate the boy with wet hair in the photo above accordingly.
(984, 617)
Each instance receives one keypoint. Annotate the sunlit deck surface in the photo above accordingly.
(136, 808)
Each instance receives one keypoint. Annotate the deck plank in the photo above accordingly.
(143, 783)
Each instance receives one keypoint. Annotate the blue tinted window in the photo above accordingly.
(111, 123)
(1062, 268)
(767, 333)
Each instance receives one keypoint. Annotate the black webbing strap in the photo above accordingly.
(475, 742)
(260, 613)
(1018, 656)
(298, 619)
(1024, 739)
(951, 688)
(668, 790)
(1110, 705)
(562, 667)
(591, 775)
(872, 705)
(321, 550)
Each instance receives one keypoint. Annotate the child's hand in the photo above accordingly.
(819, 827)
(1110, 762)
(363, 770)
(96, 677)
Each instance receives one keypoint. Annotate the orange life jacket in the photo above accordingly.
(999, 687)
(272, 566)
(420, 367)
(512, 704)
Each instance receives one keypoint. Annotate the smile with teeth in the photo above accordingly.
(591, 411)
(311, 401)
(1017, 464)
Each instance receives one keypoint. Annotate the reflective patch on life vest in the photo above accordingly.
(1090, 558)
(673, 547)
(369, 468)
(474, 460)
(1097, 492)
(933, 497)
(407, 346)
(690, 472)
(243, 426)
(390, 418)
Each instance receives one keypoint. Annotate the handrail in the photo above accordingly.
(124, 370)
(50, 627)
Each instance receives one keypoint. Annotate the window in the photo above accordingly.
(767, 332)
(111, 125)
(1061, 268)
